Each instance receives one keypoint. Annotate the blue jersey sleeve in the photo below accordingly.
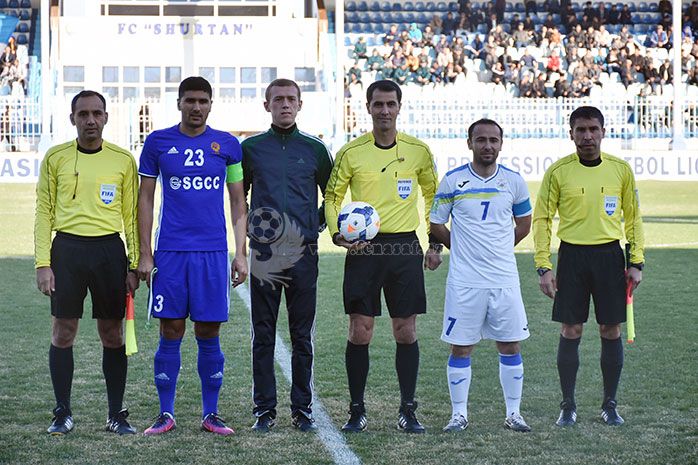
(233, 151)
(149, 163)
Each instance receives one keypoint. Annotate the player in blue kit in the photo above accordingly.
(189, 274)
(490, 213)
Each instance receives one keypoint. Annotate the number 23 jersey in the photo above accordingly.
(192, 173)
(482, 228)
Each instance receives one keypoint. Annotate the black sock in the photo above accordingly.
(357, 370)
(611, 366)
(60, 363)
(114, 367)
(567, 366)
(407, 366)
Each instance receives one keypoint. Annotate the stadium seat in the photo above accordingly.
(576, 7)
(631, 6)
(509, 7)
(362, 6)
(374, 6)
(397, 6)
(13, 3)
(422, 17)
(388, 17)
(386, 6)
(22, 27)
(409, 17)
(430, 6)
(26, 4)
(3, 3)
(22, 39)
(350, 6)
(507, 28)
(375, 28)
(654, 7)
(347, 39)
(519, 8)
(453, 6)
(409, 6)
(398, 17)
(476, 6)
(351, 17)
(375, 17)
(636, 18)
(652, 18)
(557, 18)
(643, 6)
(482, 28)
(363, 17)
(442, 7)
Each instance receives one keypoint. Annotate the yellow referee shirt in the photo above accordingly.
(385, 178)
(589, 200)
(86, 194)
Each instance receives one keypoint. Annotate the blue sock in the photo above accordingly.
(167, 362)
(210, 364)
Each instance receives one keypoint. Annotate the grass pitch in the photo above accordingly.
(657, 394)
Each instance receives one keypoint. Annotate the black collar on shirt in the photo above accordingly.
(385, 147)
(88, 151)
(590, 163)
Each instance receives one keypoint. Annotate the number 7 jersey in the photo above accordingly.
(482, 227)
(192, 173)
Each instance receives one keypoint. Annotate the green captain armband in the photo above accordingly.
(234, 173)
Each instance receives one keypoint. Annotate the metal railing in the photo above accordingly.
(424, 117)
(446, 117)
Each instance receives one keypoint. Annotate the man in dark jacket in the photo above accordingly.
(284, 167)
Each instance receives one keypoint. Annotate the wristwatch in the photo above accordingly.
(639, 266)
(542, 271)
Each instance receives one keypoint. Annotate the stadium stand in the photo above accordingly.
(585, 49)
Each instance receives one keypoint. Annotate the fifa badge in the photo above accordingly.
(610, 204)
(107, 192)
(404, 188)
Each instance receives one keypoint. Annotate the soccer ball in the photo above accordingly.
(358, 221)
(265, 225)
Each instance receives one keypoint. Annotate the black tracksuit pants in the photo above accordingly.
(300, 287)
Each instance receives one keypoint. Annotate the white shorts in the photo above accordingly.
(472, 314)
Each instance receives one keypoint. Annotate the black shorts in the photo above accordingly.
(590, 270)
(95, 263)
(392, 263)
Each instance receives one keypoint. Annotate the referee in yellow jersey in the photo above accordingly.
(384, 167)
(87, 193)
(591, 191)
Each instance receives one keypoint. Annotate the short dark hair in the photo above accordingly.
(281, 82)
(483, 121)
(195, 83)
(588, 112)
(87, 93)
(385, 85)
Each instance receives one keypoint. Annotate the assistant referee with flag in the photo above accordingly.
(589, 189)
(87, 193)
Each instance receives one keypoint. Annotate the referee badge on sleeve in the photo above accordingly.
(610, 204)
(107, 192)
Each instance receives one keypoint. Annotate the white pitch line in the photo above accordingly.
(329, 436)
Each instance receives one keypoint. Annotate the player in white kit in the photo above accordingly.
(490, 213)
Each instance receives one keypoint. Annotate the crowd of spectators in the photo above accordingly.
(12, 70)
(532, 58)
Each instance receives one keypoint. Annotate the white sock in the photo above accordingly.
(459, 374)
(511, 378)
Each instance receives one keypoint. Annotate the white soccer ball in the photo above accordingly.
(358, 221)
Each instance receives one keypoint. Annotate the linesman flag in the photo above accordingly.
(629, 311)
(131, 345)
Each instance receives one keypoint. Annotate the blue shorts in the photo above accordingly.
(191, 284)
